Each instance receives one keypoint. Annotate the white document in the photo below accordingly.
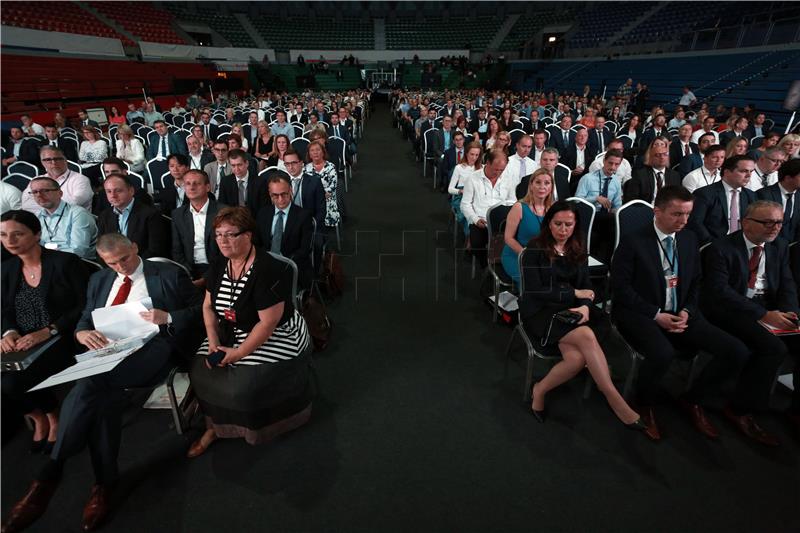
(96, 365)
(122, 321)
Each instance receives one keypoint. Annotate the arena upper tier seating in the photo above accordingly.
(147, 22)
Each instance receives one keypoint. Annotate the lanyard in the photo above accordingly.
(705, 178)
(236, 280)
(674, 254)
(53, 232)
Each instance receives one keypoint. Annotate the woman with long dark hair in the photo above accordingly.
(556, 279)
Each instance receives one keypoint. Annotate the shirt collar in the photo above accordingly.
(62, 205)
(728, 188)
(244, 179)
(285, 210)
(203, 210)
(749, 244)
(136, 273)
(784, 192)
(661, 235)
(126, 209)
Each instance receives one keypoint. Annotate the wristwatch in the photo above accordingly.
(53, 330)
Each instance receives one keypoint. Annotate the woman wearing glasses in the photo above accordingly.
(91, 154)
(259, 387)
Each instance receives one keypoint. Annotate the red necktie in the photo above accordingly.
(458, 158)
(123, 292)
(686, 150)
(755, 259)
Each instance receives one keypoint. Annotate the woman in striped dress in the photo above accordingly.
(259, 388)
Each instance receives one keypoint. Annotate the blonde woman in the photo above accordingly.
(736, 146)
(236, 129)
(790, 144)
(470, 165)
(524, 221)
(130, 149)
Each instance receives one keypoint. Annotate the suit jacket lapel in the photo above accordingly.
(652, 250)
(155, 288)
(291, 221)
(105, 285)
(773, 281)
(723, 199)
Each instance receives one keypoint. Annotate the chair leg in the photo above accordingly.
(177, 415)
(424, 166)
(338, 238)
(455, 230)
(346, 184)
(526, 391)
(474, 266)
(496, 310)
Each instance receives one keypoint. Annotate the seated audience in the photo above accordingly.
(173, 194)
(562, 137)
(43, 293)
(633, 130)
(92, 152)
(243, 187)
(492, 130)
(718, 208)
(539, 144)
(287, 229)
(193, 244)
(134, 114)
(746, 283)
(736, 146)
(655, 277)
(250, 315)
(84, 120)
(624, 171)
(599, 136)
(765, 172)
(790, 144)
(481, 191)
(757, 128)
(68, 228)
(709, 172)
(739, 129)
(307, 189)
(279, 147)
(249, 131)
(578, 156)
(198, 155)
(783, 192)
(519, 164)
(54, 139)
(708, 127)
(770, 140)
(10, 198)
(151, 115)
(130, 149)
(556, 279)
(602, 189)
(524, 221)
(91, 414)
(696, 159)
(114, 116)
(452, 157)
(470, 164)
(655, 174)
(142, 224)
(219, 167)
(76, 187)
(16, 149)
(659, 129)
(166, 144)
(682, 146)
(281, 127)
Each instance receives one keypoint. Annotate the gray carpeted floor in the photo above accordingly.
(419, 426)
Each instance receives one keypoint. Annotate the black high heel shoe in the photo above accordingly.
(37, 446)
(540, 415)
(637, 425)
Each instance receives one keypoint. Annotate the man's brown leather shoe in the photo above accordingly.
(699, 419)
(649, 418)
(97, 508)
(747, 425)
(27, 510)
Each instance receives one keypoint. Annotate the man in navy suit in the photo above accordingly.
(695, 159)
(659, 129)
(599, 136)
(307, 191)
(91, 414)
(243, 187)
(784, 193)
(747, 282)
(757, 128)
(682, 146)
(720, 207)
(655, 276)
(52, 138)
(210, 131)
(646, 181)
(452, 156)
(293, 239)
(166, 144)
(562, 137)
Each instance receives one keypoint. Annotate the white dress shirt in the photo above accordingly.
(138, 286)
(480, 195)
(757, 179)
(10, 197)
(623, 171)
(199, 222)
(696, 135)
(700, 177)
(513, 171)
(461, 174)
(580, 157)
(761, 276)
(77, 191)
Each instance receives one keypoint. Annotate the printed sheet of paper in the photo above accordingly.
(91, 367)
(123, 321)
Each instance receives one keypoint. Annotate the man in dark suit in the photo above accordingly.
(83, 116)
(659, 129)
(747, 283)
(91, 414)
(682, 146)
(190, 247)
(21, 148)
(210, 131)
(719, 207)
(219, 167)
(52, 138)
(336, 129)
(167, 143)
(599, 136)
(562, 137)
(198, 156)
(655, 276)
(536, 123)
(578, 156)
(293, 238)
(173, 194)
(783, 193)
(739, 130)
(479, 124)
(694, 160)
(141, 223)
(243, 187)
(549, 161)
(646, 181)
(453, 156)
(757, 127)
(307, 191)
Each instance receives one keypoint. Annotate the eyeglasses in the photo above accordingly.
(769, 224)
(287, 163)
(227, 236)
(53, 159)
(41, 191)
(279, 195)
(775, 160)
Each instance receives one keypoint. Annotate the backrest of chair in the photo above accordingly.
(627, 142)
(72, 165)
(516, 135)
(222, 135)
(293, 266)
(20, 181)
(170, 262)
(336, 148)
(298, 130)
(24, 168)
(631, 217)
(300, 146)
(586, 212)
(166, 178)
(136, 178)
(156, 168)
(92, 265)
(756, 141)
(495, 225)
(428, 138)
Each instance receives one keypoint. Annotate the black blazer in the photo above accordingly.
(791, 231)
(709, 218)
(168, 198)
(593, 142)
(648, 136)
(545, 286)
(570, 158)
(28, 152)
(213, 131)
(313, 198)
(176, 146)
(206, 157)
(637, 275)
(642, 184)
(170, 289)
(728, 135)
(449, 162)
(296, 242)
(146, 227)
(676, 152)
(256, 192)
(557, 140)
(251, 143)
(725, 275)
(750, 132)
(183, 233)
(343, 133)
(64, 281)
(689, 163)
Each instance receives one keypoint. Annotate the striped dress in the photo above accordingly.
(286, 342)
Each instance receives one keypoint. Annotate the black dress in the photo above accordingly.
(244, 399)
(549, 287)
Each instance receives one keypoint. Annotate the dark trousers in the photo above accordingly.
(767, 354)
(92, 411)
(479, 242)
(659, 348)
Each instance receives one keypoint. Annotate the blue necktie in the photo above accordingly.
(669, 252)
